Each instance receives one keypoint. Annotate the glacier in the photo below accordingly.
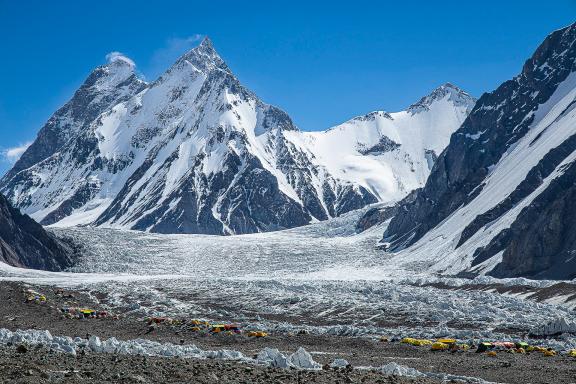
(323, 278)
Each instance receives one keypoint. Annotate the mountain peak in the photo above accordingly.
(118, 59)
(206, 44)
(455, 94)
(117, 71)
(372, 116)
(204, 57)
(448, 87)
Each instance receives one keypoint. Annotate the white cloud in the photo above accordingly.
(13, 154)
(119, 56)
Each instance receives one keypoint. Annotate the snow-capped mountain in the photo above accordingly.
(105, 87)
(24, 243)
(390, 154)
(196, 152)
(500, 198)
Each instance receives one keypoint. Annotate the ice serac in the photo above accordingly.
(24, 243)
(196, 152)
(498, 198)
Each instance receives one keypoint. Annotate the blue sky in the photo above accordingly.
(323, 63)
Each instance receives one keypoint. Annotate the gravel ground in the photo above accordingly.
(41, 366)
(15, 313)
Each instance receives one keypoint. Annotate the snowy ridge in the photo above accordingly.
(553, 125)
(500, 203)
(106, 86)
(391, 154)
(196, 152)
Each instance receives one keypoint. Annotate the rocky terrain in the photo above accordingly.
(24, 243)
(496, 201)
(39, 364)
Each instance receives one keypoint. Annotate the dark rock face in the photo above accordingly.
(540, 242)
(385, 145)
(79, 198)
(255, 203)
(24, 243)
(498, 120)
(349, 198)
(532, 181)
(299, 172)
(249, 201)
(379, 215)
(375, 216)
